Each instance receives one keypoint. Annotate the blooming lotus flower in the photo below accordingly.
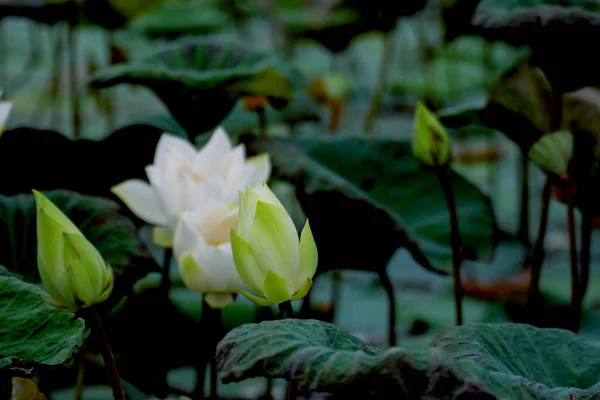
(271, 261)
(72, 270)
(203, 251)
(181, 178)
(5, 108)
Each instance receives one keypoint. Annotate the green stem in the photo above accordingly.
(537, 257)
(575, 297)
(109, 360)
(262, 121)
(78, 389)
(524, 218)
(455, 241)
(380, 88)
(217, 328)
(286, 308)
(586, 243)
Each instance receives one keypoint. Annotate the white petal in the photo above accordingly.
(169, 143)
(219, 268)
(215, 151)
(216, 227)
(186, 238)
(141, 200)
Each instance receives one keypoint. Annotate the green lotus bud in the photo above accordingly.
(270, 259)
(430, 141)
(72, 270)
(552, 152)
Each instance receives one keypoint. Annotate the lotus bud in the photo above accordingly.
(430, 141)
(72, 270)
(552, 152)
(268, 256)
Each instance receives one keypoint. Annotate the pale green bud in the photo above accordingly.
(270, 259)
(552, 152)
(72, 270)
(430, 141)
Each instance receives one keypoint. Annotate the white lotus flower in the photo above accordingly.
(181, 178)
(203, 252)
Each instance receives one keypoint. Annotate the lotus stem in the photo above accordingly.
(455, 241)
(78, 389)
(165, 281)
(262, 121)
(286, 309)
(109, 360)
(537, 257)
(524, 217)
(217, 327)
(380, 88)
(385, 281)
(575, 297)
(336, 107)
(586, 243)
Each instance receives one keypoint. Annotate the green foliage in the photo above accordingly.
(113, 234)
(363, 207)
(31, 330)
(485, 360)
(199, 76)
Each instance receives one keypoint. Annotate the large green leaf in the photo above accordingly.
(521, 361)
(559, 33)
(32, 331)
(113, 234)
(323, 358)
(200, 79)
(489, 361)
(367, 197)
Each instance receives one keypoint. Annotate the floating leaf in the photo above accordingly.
(363, 208)
(31, 330)
(199, 79)
(114, 235)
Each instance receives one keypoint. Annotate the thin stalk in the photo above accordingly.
(575, 297)
(386, 283)
(262, 121)
(524, 217)
(455, 243)
(586, 244)
(286, 309)
(217, 328)
(166, 268)
(109, 360)
(78, 389)
(382, 78)
(538, 254)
